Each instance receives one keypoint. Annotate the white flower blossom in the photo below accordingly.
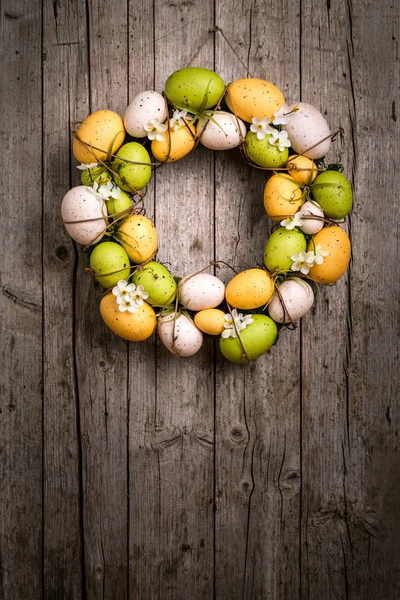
(303, 261)
(280, 139)
(178, 119)
(123, 292)
(281, 116)
(107, 190)
(155, 130)
(241, 321)
(84, 167)
(319, 254)
(139, 295)
(261, 127)
(293, 221)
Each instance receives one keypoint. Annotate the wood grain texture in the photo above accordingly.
(64, 28)
(258, 406)
(21, 302)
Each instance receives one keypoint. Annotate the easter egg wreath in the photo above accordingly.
(307, 201)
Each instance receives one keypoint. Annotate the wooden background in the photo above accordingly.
(125, 472)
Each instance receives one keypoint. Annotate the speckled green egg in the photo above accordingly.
(257, 338)
(98, 175)
(110, 263)
(281, 245)
(332, 190)
(117, 205)
(157, 282)
(194, 88)
(264, 154)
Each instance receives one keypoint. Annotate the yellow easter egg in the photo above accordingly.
(282, 196)
(103, 129)
(302, 169)
(180, 143)
(335, 241)
(249, 289)
(210, 320)
(136, 327)
(138, 236)
(250, 97)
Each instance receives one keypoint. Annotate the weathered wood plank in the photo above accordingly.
(64, 45)
(257, 410)
(101, 356)
(175, 547)
(21, 302)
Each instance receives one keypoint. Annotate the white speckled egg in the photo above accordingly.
(298, 297)
(311, 226)
(83, 204)
(306, 127)
(144, 107)
(225, 131)
(201, 291)
(179, 334)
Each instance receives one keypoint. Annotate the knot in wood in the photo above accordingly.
(239, 434)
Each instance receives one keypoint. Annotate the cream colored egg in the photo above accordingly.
(144, 107)
(201, 291)
(222, 132)
(311, 226)
(83, 213)
(298, 298)
(307, 129)
(179, 334)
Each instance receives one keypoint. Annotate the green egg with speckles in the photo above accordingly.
(194, 88)
(332, 190)
(257, 338)
(98, 175)
(117, 205)
(281, 245)
(264, 154)
(110, 263)
(157, 282)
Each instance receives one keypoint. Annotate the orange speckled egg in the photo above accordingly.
(250, 97)
(210, 320)
(335, 241)
(249, 289)
(138, 236)
(179, 145)
(135, 327)
(302, 169)
(282, 196)
(103, 129)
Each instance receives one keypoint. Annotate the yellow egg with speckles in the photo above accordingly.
(136, 327)
(250, 97)
(302, 169)
(335, 241)
(138, 236)
(210, 320)
(175, 147)
(282, 196)
(104, 130)
(249, 289)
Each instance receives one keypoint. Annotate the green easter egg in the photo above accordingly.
(131, 176)
(117, 205)
(110, 264)
(332, 190)
(157, 282)
(98, 175)
(257, 338)
(194, 88)
(281, 245)
(264, 154)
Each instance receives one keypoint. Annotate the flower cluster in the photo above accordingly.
(262, 128)
(155, 130)
(178, 119)
(129, 297)
(107, 190)
(85, 167)
(303, 261)
(235, 322)
(293, 221)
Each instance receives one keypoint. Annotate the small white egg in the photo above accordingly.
(298, 298)
(222, 132)
(201, 291)
(311, 226)
(83, 212)
(144, 107)
(306, 127)
(179, 334)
